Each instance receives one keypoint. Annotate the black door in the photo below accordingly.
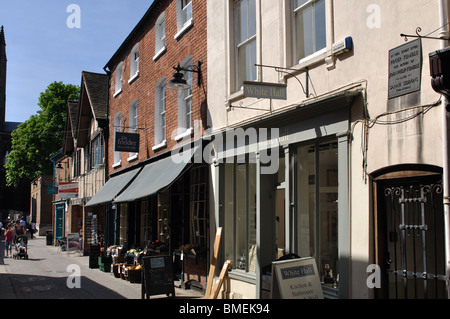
(411, 239)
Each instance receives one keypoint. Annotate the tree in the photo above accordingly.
(36, 139)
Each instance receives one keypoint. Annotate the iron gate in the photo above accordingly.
(415, 259)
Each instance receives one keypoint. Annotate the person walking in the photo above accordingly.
(8, 240)
(32, 228)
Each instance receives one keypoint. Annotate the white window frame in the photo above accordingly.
(134, 63)
(185, 118)
(117, 128)
(184, 17)
(119, 78)
(295, 11)
(250, 40)
(133, 125)
(160, 36)
(160, 115)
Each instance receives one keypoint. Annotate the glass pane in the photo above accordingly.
(251, 217)
(306, 195)
(298, 3)
(229, 213)
(320, 25)
(304, 25)
(328, 186)
(241, 217)
(251, 18)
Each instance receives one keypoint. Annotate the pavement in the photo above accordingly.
(51, 274)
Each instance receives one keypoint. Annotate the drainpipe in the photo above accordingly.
(444, 33)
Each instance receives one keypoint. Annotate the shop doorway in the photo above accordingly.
(59, 221)
(410, 245)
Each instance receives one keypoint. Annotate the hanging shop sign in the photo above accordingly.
(126, 142)
(296, 279)
(405, 69)
(263, 90)
(68, 190)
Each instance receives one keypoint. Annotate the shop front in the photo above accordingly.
(300, 209)
(164, 211)
(160, 208)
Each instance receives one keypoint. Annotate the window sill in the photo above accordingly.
(134, 77)
(159, 146)
(316, 57)
(119, 163)
(159, 53)
(242, 276)
(184, 29)
(117, 92)
(187, 133)
(133, 157)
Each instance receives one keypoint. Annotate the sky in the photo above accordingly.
(52, 40)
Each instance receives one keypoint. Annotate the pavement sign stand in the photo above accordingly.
(296, 279)
(157, 276)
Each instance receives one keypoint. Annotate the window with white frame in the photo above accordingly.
(133, 124)
(184, 16)
(309, 28)
(185, 103)
(134, 63)
(245, 41)
(160, 36)
(160, 114)
(117, 126)
(97, 151)
(119, 77)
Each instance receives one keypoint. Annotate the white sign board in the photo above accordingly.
(405, 69)
(296, 279)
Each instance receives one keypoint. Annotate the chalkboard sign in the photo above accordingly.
(296, 279)
(157, 276)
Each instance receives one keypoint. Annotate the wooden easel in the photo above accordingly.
(212, 268)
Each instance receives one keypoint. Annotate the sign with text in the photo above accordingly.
(405, 69)
(296, 279)
(126, 142)
(68, 190)
(263, 90)
(157, 276)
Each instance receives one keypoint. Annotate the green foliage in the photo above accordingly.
(36, 139)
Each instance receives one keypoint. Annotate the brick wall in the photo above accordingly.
(192, 43)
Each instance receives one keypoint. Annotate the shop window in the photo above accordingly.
(245, 41)
(240, 215)
(123, 224)
(146, 225)
(309, 27)
(317, 209)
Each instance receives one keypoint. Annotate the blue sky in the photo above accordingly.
(41, 48)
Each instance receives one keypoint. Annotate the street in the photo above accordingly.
(50, 274)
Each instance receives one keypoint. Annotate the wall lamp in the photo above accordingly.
(178, 83)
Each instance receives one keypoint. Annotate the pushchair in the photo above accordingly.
(21, 247)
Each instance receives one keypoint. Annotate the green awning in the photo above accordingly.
(156, 176)
(113, 187)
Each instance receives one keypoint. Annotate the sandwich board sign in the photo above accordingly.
(296, 279)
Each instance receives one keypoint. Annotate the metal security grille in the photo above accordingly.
(415, 241)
